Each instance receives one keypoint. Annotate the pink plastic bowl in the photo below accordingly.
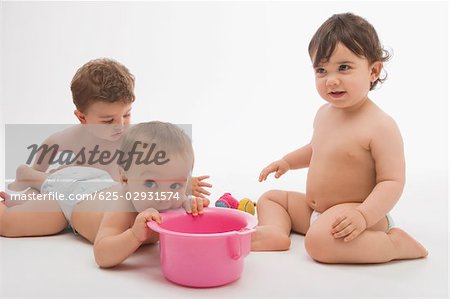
(206, 250)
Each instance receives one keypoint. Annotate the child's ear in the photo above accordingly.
(375, 71)
(81, 116)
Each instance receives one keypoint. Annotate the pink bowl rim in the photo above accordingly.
(249, 228)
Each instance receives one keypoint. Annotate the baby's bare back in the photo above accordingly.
(342, 168)
(85, 150)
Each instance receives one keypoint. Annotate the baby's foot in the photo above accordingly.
(269, 238)
(7, 200)
(22, 181)
(17, 186)
(407, 246)
(3, 196)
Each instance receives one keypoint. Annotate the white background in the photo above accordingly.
(239, 72)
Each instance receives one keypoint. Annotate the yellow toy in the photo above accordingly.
(228, 201)
(247, 205)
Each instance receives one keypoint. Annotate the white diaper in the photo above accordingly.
(314, 216)
(71, 182)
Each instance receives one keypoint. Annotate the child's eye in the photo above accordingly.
(108, 121)
(150, 183)
(175, 186)
(320, 70)
(127, 115)
(344, 67)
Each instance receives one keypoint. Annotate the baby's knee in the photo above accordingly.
(270, 195)
(318, 244)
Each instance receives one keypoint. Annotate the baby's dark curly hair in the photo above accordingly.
(354, 32)
(104, 80)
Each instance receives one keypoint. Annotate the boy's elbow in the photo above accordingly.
(402, 183)
(102, 259)
(103, 262)
(398, 184)
(104, 265)
(395, 181)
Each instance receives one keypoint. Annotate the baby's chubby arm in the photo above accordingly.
(116, 240)
(299, 158)
(386, 147)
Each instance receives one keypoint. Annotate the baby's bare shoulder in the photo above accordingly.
(385, 130)
(321, 112)
(64, 137)
(383, 121)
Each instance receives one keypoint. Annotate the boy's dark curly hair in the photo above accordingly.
(102, 80)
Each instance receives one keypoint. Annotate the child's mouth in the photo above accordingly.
(117, 133)
(336, 94)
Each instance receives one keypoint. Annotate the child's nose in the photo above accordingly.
(119, 121)
(332, 81)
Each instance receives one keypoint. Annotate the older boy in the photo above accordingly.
(103, 93)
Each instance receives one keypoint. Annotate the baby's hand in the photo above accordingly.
(198, 184)
(280, 167)
(140, 228)
(195, 205)
(348, 225)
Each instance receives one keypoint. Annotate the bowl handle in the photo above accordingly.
(239, 243)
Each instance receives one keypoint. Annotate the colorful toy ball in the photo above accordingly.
(247, 205)
(227, 201)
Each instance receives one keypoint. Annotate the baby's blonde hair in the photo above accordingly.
(165, 136)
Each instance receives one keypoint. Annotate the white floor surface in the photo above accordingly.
(63, 265)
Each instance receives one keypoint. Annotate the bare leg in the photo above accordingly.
(13, 200)
(27, 177)
(33, 218)
(371, 246)
(279, 212)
